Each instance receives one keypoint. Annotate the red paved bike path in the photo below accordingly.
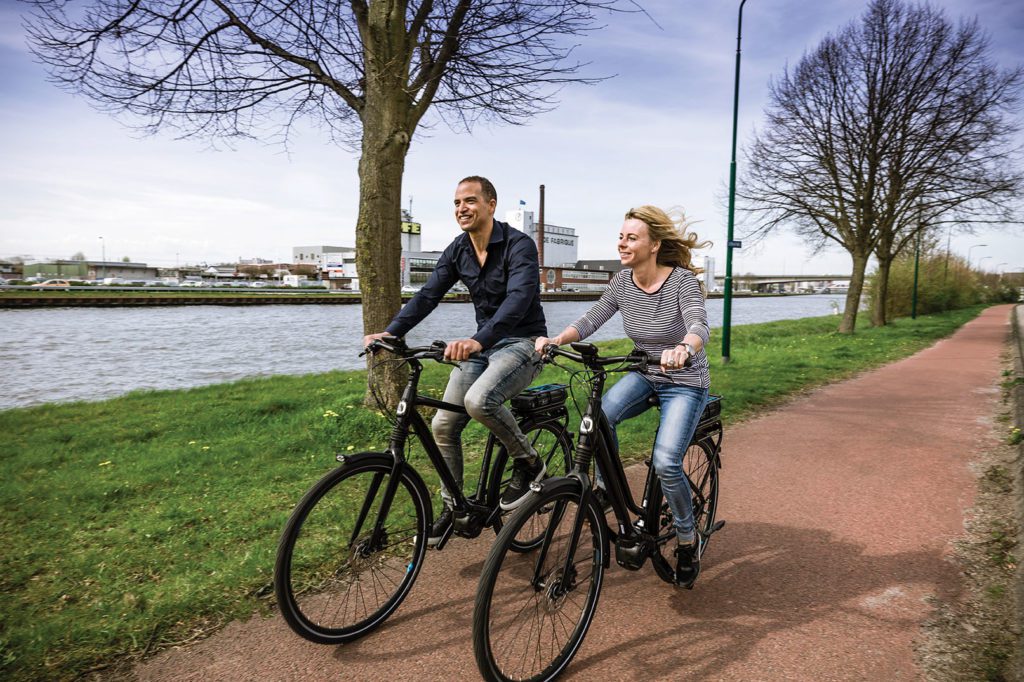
(840, 511)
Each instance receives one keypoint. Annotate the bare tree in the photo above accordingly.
(366, 71)
(889, 127)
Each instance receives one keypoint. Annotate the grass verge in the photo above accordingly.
(136, 523)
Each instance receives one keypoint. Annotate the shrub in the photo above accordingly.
(944, 282)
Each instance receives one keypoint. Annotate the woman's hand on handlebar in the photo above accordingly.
(674, 358)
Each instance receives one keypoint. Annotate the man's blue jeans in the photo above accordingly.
(681, 407)
(484, 383)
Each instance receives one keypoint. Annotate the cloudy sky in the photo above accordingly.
(73, 179)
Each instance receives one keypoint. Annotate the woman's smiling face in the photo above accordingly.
(635, 245)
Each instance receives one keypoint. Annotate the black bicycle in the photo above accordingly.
(532, 612)
(354, 545)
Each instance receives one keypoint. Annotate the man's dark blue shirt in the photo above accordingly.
(505, 291)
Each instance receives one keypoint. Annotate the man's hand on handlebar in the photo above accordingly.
(370, 338)
(461, 350)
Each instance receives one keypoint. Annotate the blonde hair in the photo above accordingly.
(670, 229)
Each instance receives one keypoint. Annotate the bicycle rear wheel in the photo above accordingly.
(701, 470)
(337, 577)
(533, 611)
(552, 443)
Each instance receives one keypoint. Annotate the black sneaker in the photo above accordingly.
(441, 526)
(525, 470)
(688, 563)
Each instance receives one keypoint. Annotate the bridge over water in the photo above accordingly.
(787, 283)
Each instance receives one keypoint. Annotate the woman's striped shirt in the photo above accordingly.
(657, 321)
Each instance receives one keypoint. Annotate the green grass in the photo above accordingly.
(134, 523)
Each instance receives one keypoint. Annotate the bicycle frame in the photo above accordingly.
(472, 513)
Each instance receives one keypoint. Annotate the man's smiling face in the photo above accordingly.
(472, 211)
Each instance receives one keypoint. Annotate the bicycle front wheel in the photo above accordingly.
(344, 562)
(532, 611)
(701, 471)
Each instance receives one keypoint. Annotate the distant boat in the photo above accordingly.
(836, 288)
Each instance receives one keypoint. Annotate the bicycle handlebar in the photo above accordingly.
(435, 351)
(586, 354)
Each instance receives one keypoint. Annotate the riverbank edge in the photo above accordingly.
(94, 299)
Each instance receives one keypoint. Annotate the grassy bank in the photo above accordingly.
(138, 522)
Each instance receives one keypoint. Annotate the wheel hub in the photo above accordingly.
(555, 593)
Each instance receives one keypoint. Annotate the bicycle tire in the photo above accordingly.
(551, 441)
(701, 469)
(332, 585)
(519, 622)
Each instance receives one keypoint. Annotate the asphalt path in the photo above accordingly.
(841, 508)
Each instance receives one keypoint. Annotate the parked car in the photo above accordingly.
(57, 283)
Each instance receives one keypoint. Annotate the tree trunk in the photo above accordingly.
(849, 321)
(378, 254)
(879, 312)
(386, 138)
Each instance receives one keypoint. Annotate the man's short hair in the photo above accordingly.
(490, 194)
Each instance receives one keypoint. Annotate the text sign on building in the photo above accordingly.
(410, 228)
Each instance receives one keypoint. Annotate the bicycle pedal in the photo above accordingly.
(442, 541)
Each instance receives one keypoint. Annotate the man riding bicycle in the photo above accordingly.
(499, 266)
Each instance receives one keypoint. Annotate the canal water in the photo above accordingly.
(60, 354)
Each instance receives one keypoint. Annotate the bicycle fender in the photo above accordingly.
(574, 485)
(387, 460)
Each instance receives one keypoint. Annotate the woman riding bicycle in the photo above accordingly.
(662, 306)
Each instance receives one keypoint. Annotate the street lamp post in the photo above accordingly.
(969, 254)
(981, 260)
(917, 263)
(727, 300)
(103, 246)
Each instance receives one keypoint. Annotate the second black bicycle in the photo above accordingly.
(533, 612)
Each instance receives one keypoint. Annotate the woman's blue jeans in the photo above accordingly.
(681, 407)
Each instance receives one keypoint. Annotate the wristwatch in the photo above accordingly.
(689, 349)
